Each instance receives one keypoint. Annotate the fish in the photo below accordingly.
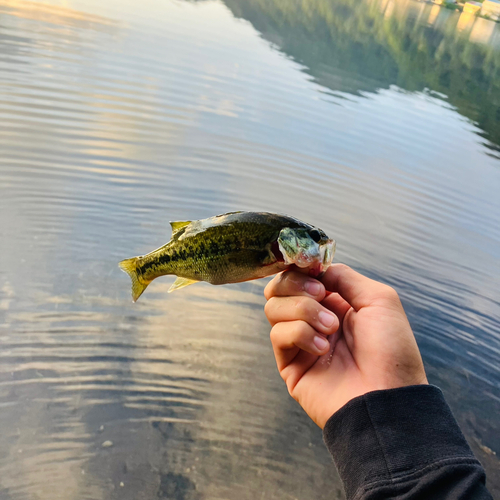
(232, 248)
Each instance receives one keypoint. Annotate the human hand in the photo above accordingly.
(367, 345)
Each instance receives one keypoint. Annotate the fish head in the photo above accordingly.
(306, 247)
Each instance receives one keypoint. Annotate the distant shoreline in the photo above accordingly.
(459, 6)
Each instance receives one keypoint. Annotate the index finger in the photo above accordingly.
(356, 289)
(290, 283)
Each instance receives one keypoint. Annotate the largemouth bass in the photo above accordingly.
(231, 248)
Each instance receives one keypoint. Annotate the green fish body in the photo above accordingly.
(231, 248)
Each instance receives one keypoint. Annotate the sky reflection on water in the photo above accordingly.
(365, 119)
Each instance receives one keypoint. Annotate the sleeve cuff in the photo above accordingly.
(387, 435)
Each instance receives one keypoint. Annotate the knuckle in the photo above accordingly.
(390, 294)
(280, 336)
(340, 267)
(269, 306)
(270, 289)
(273, 334)
(300, 330)
(290, 385)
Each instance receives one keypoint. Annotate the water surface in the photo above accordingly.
(378, 121)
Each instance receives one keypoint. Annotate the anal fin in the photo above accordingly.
(181, 283)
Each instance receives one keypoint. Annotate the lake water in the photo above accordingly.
(376, 120)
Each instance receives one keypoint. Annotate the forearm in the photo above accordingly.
(403, 443)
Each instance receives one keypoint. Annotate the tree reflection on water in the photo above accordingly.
(350, 47)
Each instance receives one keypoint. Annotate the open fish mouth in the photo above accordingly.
(299, 248)
(327, 251)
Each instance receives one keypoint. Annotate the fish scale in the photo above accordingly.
(231, 248)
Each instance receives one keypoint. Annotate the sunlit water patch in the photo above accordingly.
(376, 121)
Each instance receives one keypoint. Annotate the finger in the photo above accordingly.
(306, 309)
(294, 283)
(289, 338)
(356, 289)
(335, 303)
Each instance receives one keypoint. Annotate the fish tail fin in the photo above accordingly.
(138, 285)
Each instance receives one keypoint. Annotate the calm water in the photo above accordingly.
(378, 121)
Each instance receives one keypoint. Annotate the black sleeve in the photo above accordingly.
(403, 444)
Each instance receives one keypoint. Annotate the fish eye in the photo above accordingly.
(315, 235)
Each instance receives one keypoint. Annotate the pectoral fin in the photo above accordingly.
(181, 283)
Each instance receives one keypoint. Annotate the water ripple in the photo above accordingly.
(116, 120)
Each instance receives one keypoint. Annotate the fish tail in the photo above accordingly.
(138, 285)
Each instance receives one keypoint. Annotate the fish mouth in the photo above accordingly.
(328, 251)
(320, 265)
(317, 256)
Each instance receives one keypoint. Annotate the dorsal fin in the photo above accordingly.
(178, 225)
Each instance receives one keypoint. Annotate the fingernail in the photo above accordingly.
(326, 318)
(321, 343)
(312, 287)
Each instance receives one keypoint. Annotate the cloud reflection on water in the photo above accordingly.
(182, 112)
